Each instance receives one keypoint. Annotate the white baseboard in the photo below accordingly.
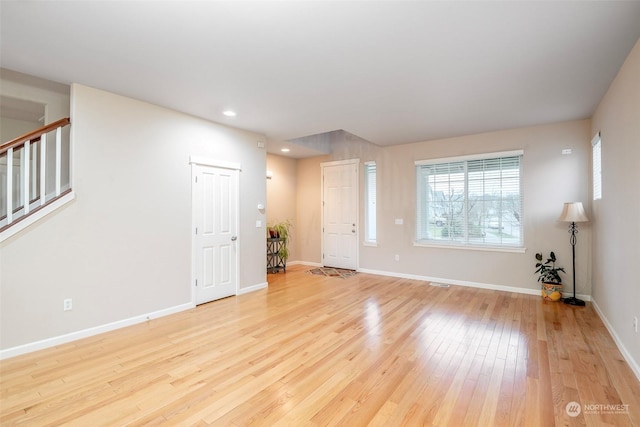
(73, 336)
(625, 353)
(310, 264)
(252, 288)
(516, 289)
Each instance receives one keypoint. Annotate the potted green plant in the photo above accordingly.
(282, 230)
(549, 275)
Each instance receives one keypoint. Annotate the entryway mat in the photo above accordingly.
(333, 272)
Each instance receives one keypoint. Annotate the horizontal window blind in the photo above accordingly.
(474, 201)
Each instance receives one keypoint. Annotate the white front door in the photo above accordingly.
(215, 212)
(340, 214)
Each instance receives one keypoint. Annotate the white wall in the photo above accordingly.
(13, 128)
(550, 179)
(55, 98)
(308, 210)
(123, 247)
(281, 196)
(616, 223)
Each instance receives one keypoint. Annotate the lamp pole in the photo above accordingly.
(573, 300)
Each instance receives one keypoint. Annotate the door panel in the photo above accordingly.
(340, 215)
(215, 199)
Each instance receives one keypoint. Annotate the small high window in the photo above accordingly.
(596, 153)
(370, 202)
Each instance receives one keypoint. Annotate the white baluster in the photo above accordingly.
(10, 186)
(58, 159)
(33, 192)
(43, 168)
(26, 154)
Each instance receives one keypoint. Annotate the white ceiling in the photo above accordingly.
(390, 72)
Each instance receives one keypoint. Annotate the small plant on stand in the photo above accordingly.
(281, 230)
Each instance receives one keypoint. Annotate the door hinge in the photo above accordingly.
(196, 230)
(196, 282)
(196, 179)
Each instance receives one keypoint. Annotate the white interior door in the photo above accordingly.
(215, 212)
(340, 214)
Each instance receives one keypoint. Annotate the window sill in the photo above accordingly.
(370, 244)
(472, 248)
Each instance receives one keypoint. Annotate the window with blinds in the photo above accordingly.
(471, 200)
(370, 202)
(596, 144)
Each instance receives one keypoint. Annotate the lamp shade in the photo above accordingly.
(573, 212)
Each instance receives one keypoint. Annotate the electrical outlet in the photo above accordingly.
(397, 257)
(635, 324)
(67, 304)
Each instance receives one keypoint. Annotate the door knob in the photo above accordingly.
(234, 238)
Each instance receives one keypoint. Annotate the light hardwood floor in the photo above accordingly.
(313, 350)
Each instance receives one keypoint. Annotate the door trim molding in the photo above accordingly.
(205, 161)
(340, 162)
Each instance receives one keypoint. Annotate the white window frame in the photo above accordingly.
(466, 239)
(596, 166)
(370, 203)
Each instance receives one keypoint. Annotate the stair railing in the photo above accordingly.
(32, 183)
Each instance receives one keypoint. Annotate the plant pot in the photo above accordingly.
(272, 234)
(551, 291)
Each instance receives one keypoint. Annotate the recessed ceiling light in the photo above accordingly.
(285, 150)
(229, 113)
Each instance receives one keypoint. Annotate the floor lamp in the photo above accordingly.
(573, 212)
